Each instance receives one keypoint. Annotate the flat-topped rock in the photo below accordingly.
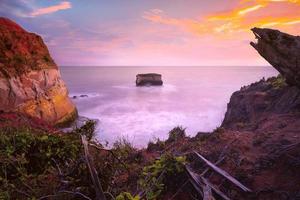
(149, 79)
(281, 50)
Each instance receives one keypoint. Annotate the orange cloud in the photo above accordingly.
(51, 9)
(247, 14)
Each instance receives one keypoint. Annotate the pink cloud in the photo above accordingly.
(51, 9)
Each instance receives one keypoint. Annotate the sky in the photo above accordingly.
(153, 32)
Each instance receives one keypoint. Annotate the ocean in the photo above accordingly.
(192, 97)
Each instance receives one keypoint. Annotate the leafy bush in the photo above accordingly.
(88, 129)
(28, 156)
(157, 175)
(176, 133)
(277, 82)
(158, 145)
(127, 196)
(123, 148)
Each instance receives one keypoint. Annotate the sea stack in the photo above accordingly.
(30, 81)
(149, 79)
(281, 50)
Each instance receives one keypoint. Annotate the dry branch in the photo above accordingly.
(201, 184)
(223, 173)
(94, 175)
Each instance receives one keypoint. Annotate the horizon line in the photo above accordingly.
(164, 65)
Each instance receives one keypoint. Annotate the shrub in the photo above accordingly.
(158, 145)
(88, 129)
(127, 196)
(176, 133)
(277, 82)
(161, 172)
(28, 156)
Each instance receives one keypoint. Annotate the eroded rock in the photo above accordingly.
(281, 50)
(30, 81)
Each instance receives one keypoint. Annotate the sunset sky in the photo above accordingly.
(153, 32)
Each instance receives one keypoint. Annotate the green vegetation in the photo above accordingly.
(36, 163)
(161, 173)
(176, 133)
(277, 82)
(28, 160)
(127, 196)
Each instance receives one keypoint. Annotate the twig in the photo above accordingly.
(176, 193)
(67, 192)
(200, 182)
(94, 175)
(58, 168)
(75, 193)
(223, 173)
(112, 153)
(216, 163)
(22, 192)
(109, 194)
(207, 194)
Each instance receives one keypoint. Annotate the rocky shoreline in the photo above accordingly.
(257, 145)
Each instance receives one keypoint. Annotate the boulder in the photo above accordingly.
(30, 81)
(148, 79)
(281, 50)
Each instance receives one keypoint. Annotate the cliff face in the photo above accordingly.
(273, 103)
(30, 82)
(263, 105)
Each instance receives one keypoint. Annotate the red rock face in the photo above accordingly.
(21, 51)
(30, 82)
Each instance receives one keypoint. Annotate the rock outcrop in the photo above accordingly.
(269, 101)
(30, 81)
(281, 50)
(148, 79)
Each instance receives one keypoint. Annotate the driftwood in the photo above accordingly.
(201, 184)
(93, 172)
(207, 194)
(215, 189)
(195, 180)
(223, 173)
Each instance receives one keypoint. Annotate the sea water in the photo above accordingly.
(192, 97)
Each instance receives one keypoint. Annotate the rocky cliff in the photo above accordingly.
(265, 105)
(30, 81)
(274, 102)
